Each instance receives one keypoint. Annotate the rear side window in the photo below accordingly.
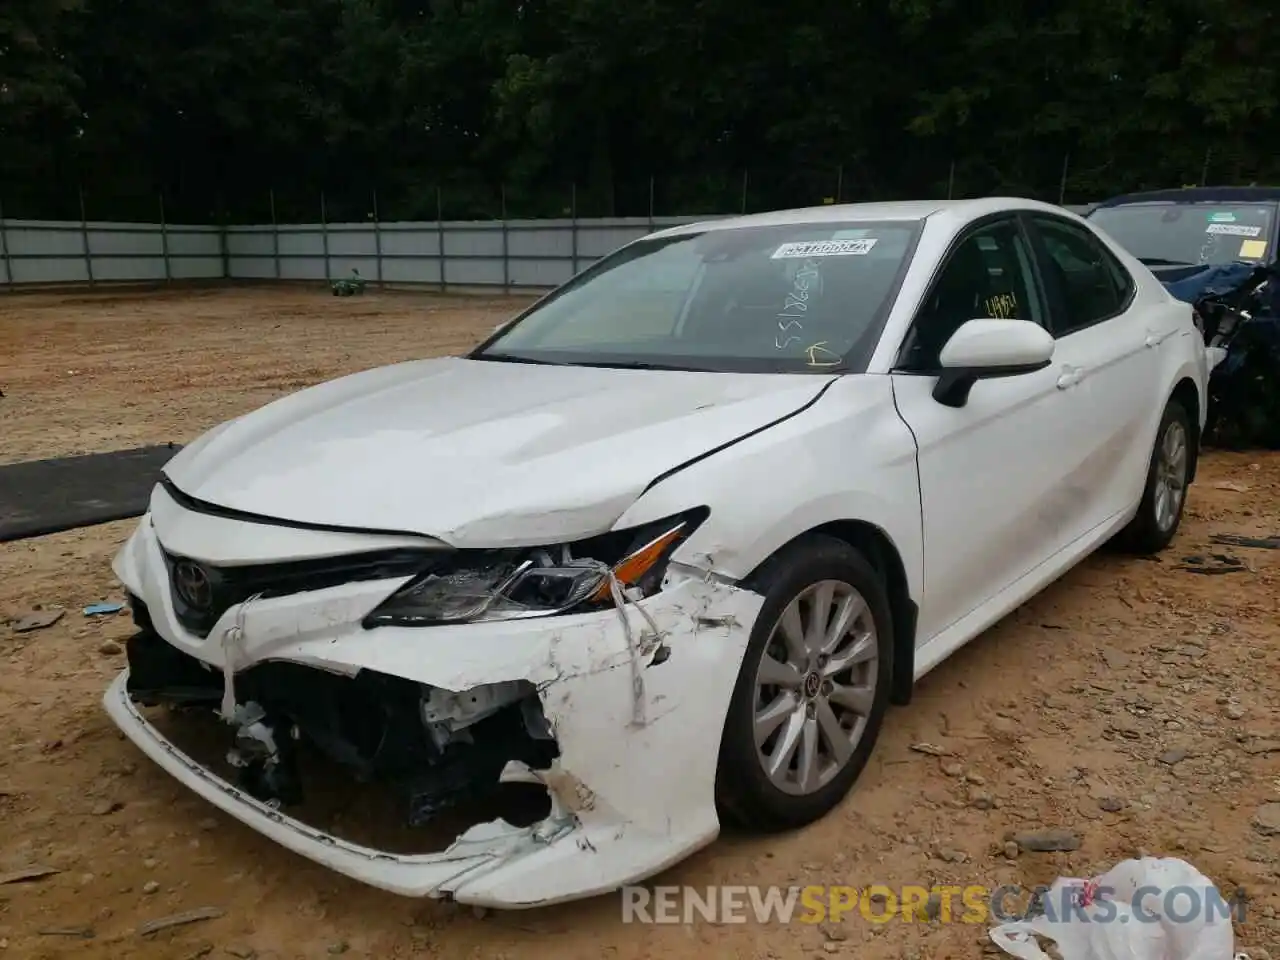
(1090, 284)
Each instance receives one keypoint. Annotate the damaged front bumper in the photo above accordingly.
(632, 786)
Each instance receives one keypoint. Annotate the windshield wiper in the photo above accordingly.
(638, 365)
(512, 358)
(1161, 262)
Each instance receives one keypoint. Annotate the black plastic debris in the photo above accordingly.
(28, 873)
(37, 620)
(1253, 543)
(1214, 564)
(180, 920)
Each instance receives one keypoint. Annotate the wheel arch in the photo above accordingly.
(1187, 394)
(883, 555)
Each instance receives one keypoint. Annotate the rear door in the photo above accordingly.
(1114, 346)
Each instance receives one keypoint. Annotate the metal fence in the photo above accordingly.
(510, 254)
(504, 254)
(37, 252)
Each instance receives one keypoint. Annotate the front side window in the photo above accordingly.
(777, 299)
(986, 276)
(1092, 285)
(1179, 234)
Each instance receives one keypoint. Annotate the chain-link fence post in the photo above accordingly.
(506, 240)
(573, 226)
(164, 241)
(377, 240)
(4, 252)
(84, 236)
(324, 237)
(224, 248)
(275, 233)
(444, 283)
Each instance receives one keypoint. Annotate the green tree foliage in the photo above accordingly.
(703, 102)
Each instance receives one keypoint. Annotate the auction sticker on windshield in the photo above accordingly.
(824, 248)
(1233, 229)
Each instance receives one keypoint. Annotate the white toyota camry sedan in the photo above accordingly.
(667, 545)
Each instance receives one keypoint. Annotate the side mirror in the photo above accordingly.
(985, 349)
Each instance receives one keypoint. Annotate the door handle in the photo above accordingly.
(1070, 377)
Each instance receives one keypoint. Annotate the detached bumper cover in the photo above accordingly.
(628, 799)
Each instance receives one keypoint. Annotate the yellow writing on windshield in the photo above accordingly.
(818, 355)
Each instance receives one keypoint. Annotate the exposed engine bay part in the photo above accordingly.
(449, 716)
(1237, 309)
(269, 766)
(439, 748)
(1226, 298)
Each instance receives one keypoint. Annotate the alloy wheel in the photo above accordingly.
(815, 687)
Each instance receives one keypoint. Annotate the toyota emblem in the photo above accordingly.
(192, 584)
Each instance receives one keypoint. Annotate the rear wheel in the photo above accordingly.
(1168, 476)
(813, 688)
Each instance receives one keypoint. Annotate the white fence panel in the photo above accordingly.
(509, 254)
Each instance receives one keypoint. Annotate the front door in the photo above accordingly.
(990, 471)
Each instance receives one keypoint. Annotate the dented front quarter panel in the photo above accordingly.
(849, 457)
(629, 799)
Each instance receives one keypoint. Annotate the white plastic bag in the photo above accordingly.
(1154, 908)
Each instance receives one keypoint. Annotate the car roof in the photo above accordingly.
(904, 210)
(1197, 195)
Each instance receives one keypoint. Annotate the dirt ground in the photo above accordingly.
(1135, 703)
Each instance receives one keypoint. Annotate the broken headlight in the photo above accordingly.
(480, 585)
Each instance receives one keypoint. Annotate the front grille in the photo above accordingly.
(224, 587)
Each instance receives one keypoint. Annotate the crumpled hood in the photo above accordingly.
(477, 453)
(1191, 283)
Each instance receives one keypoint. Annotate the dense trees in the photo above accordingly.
(214, 104)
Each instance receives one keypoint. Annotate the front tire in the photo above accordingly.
(812, 690)
(1165, 495)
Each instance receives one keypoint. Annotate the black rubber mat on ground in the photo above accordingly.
(48, 496)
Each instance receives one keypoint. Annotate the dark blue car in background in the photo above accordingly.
(1208, 241)
(1181, 232)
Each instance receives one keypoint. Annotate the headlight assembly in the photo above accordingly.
(484, 585)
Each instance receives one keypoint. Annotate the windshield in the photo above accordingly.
(807, 297)
(1170, 234)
